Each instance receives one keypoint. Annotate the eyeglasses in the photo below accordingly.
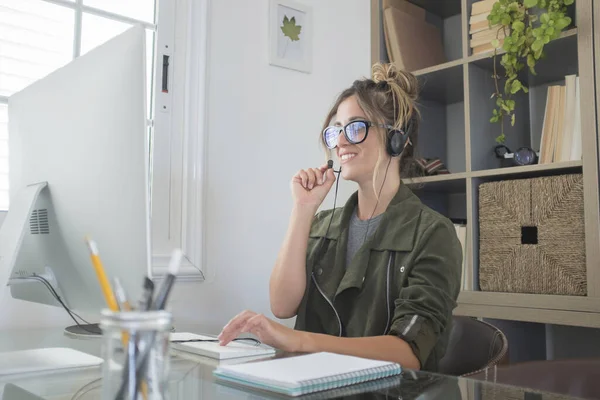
(355, 132)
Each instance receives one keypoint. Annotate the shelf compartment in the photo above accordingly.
(487, 56)
(446, 197)
(442, 84)
(530, 107)
(483, 133)
(561, 59)
(441, 131)
(446, 17)
(447, 183)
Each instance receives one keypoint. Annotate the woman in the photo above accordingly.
(379, 277)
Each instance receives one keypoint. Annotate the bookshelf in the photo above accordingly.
(456, 108)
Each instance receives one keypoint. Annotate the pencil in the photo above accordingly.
(109, 295)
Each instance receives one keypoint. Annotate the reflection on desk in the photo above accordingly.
(191, 380)
(13, 392)
(191, 377)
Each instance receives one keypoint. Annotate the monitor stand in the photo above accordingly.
(84, 331)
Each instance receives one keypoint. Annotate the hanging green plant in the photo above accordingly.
(528, 25)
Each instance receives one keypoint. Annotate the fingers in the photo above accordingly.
(324, 168)
(234, 327)
(311, 177)
(255, 323)
(303, 178)
(319, 176)
(329, 177)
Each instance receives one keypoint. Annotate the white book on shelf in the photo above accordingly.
(461, 233)
(559, 123)
(547, 127)
(576, 147)
(569, 118)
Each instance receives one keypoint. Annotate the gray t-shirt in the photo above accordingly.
(357, 233)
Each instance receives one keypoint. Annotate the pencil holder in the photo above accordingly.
(136, 354)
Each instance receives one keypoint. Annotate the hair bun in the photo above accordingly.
(389, 74)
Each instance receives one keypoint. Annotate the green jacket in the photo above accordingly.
(403, 281)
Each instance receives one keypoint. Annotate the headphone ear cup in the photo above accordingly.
(396, 142)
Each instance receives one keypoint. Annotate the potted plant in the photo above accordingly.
(528, 26)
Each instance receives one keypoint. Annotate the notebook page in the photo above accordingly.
(292, 371)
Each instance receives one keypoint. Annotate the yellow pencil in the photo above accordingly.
(109, 295)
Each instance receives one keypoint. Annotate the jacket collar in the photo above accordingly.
(400, 215)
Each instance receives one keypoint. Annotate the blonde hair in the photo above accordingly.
(389, 97)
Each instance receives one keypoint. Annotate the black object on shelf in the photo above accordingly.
(523, 156)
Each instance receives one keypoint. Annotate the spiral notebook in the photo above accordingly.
(299, 375)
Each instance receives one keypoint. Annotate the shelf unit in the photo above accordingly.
(456, 107)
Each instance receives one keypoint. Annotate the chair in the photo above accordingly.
(569, 377)
(473, 346)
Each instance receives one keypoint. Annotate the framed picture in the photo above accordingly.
(290, 35)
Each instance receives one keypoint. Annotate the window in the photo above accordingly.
(39, 36)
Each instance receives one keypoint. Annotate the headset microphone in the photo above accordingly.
(330, 165)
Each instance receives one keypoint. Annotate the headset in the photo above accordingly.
(398, 139)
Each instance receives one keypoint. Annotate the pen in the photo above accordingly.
(130, 343)
(144, 305)
(146, 301)
(161, 298)
(158, 304)
(102, 279)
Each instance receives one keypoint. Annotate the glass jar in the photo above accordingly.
(136, 354)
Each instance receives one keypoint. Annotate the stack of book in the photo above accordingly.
(482, 34)
(561, 130)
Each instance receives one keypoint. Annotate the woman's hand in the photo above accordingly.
(310, 186)
(268, 332)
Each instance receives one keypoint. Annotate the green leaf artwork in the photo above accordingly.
(290, 29)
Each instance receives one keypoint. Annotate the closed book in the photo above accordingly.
(413, 43)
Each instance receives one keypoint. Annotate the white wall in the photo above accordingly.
(264, 123)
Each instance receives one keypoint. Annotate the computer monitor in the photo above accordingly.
(78, 148)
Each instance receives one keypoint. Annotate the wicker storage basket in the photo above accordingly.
(531, 236)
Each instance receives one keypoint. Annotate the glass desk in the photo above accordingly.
(191, 377)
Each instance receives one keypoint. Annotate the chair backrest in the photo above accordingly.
(473, 346)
